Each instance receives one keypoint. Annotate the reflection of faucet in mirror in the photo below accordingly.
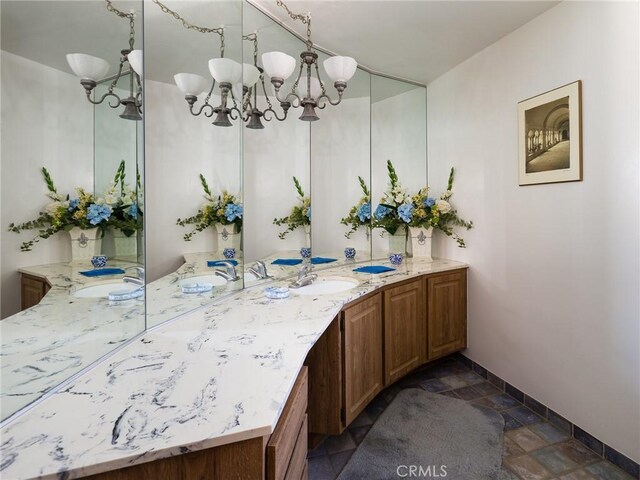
(229, 274)
(139, 280)
(305, 277)
(259, 270)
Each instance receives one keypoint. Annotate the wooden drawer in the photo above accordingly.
(32, 290)
(282, 443)
(299, 457)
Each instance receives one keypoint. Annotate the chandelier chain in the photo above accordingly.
(304, 18)
(130, 16)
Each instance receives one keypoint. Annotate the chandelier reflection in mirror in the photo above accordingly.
(279, 66)
(92, 69)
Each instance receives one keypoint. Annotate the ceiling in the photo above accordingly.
(416, 40)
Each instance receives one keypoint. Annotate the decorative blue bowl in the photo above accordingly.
(229, 252)
(99, 261)
(350, 253)
(396, 258)
(305, 252)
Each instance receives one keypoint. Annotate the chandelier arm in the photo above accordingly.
(274, 114)
(104, 97)
(200, 110)
(325, 96)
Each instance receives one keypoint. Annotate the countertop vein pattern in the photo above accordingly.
(218, 375)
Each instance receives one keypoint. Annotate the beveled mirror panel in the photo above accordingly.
(61, 311)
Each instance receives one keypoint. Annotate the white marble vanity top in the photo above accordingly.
(217, 375)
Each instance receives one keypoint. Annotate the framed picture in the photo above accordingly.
(550, 131)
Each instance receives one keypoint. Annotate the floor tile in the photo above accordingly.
(526, 439)
(434, 385)
(485, 402)
(622, 461)
(553, 460)
(527, 468)
(446, 370)
(340, 443)
(559, 421)
(359, 433)
(374, 411)
(454, 381)
(503, 401)
(578, 475)
(449, 393)
(588, 440)
(319, 451)
(495, 380)
(524, 415)
(577, 452)
(511, 448)
(549, 433)
(319, 468)
(607, 471)
(510, 423)
(339, 460)
(361, 420)
(507, 474)
(485, 388)
(472, 378)
(467, 393)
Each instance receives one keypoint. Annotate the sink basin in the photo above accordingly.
(214, 280)
(250, 277)
(104, 289)
(325, 286)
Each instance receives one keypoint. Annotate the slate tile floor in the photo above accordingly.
(534, 449)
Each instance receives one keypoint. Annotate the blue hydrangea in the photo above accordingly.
(73, 204)
(308, 213)
(364, 212)
(233, 211)
(405, 212)
(98, 213)
(429, 202)
(381, 212)
(133, 211)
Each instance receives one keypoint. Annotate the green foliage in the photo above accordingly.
(300, 214)
(356, 217)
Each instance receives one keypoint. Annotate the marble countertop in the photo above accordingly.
(217, 375)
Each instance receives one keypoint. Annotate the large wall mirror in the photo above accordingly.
(60, 310)
(277, 177)
(195, 202)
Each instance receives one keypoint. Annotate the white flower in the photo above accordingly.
(53, 206)
(56, 197)
(399, 198)
(443, 206)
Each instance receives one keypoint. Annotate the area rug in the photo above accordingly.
(426, 435)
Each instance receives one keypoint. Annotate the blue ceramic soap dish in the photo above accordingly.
(276, 292)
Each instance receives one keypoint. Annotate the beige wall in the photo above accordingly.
(555, 275)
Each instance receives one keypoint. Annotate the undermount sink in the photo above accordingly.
(250, 277)
(214, 280)
(104, 289)
(325, 286)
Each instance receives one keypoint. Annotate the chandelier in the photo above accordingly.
(91, 69)
(279, 66)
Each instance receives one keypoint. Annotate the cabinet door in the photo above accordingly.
(405, 323)
(362, 340)
(447, 313)
(32, 290)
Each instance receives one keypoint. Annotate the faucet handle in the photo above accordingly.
(139, 270)
(304, 270)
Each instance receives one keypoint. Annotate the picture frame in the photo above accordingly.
(550, 136)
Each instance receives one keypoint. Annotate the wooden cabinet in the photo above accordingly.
(405, 324)
(362, 347)
(447, 313)
(32, 290)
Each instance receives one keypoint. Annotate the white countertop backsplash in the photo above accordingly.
(218, 375)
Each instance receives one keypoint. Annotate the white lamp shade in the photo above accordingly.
(225, 70)
(190, 83)
(250, 75)
(340, 69)
(87, 66)
(135, 60)
(278, 64)
(316, 89)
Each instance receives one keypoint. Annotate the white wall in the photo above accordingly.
(554, 269)
(46, 122)
(178, 147)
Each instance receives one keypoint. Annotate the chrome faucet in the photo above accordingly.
(229, 274)
(259, 270)
(305, 277)
(137, 280)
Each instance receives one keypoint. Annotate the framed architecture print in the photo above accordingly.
(550, 131)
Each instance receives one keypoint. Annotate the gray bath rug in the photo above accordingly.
(426, 435)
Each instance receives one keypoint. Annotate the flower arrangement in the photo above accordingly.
(360, 213)
(63, 213)
(223, 208)
(425, 211)
(391, 212)
(126, 213)
(300, 214)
